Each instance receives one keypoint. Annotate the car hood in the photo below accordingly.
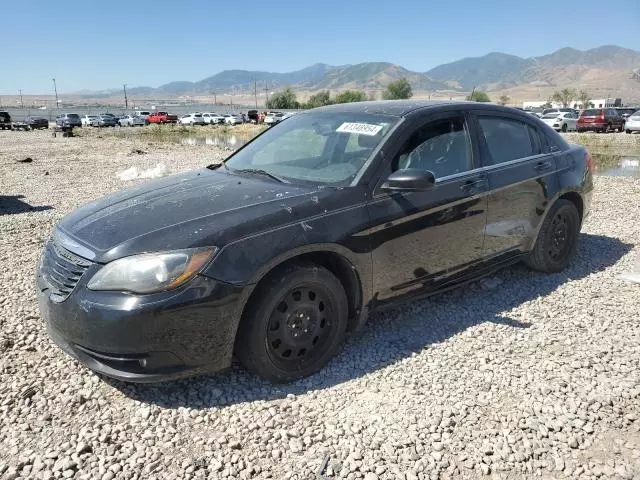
(195, 209)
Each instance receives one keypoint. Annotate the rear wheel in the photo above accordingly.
(628, 131)
(557, 240)
(294, 324)
(564, 128)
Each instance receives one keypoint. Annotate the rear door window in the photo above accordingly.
(506, 139)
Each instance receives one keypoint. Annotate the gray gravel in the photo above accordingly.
(521, 375)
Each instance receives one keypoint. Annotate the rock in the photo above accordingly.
(295, 445)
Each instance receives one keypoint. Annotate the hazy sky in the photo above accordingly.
(150, 42)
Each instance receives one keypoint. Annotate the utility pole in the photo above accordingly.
(266, 93)
(55, 89)
(255, 92)
(21, 104)
(126, 101)
(214, 98)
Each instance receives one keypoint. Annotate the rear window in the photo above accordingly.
(551, 115)
(591, 112)
(506, 139)
(197, 115)
(73, 115)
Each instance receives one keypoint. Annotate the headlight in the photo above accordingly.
(152, 272)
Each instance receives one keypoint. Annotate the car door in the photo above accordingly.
(572, 119)
(420, 239)
(522, 176)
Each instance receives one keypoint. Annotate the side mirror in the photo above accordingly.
(409, 180)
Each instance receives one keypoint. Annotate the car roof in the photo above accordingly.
(400, 108)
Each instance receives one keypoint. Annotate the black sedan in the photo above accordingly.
(276, 253)
(36, 123)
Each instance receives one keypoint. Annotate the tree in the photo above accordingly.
(398, 90)
(286, 99)
(349, 96)
(564, 96)
(584, 98)
(504, 99)
(478, 96)
(320, 99)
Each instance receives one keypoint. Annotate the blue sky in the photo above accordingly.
(151, 42)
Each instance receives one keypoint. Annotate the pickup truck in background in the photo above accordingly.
(162, 117)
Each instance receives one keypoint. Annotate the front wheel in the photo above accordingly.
(564, 128)
(557, 240)
(294, 323)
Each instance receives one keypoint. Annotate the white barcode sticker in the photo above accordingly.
(359, 128)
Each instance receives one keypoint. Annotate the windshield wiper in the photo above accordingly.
(258, 171)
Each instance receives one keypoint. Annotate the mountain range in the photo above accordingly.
(606, 68)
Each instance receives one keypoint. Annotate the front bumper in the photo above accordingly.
(145, 338)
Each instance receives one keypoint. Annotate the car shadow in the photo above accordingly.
(13, 204)
(404, 331)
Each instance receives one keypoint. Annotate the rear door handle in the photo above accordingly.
(543, 166)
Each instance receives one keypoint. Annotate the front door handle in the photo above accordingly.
(473, 185)
(543, 166)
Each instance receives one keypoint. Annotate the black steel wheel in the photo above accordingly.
(294, 323)
(300, 324)
(557, 240)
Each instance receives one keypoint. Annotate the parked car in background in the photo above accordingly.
(142, 113)
(600, 120)
(37, 123)
(212, 118)
(162, 281)
(561, 121)
(559, 110)
(68, 120)
(626, 112)
(132, 121)
(632, 123)
(272, 118)
(90, 120)
(162, 117)
(233, 118)
(253, 116)
(191, 119)
(107, 121)
(5, 121)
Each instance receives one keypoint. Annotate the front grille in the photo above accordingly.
(62, 270)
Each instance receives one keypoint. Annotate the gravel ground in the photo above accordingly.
(519, 375)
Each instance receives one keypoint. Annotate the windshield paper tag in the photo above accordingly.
(359, 128)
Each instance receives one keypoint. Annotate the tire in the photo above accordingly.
(564, 128)
(294, 323)
(557, 240)
(628, 131)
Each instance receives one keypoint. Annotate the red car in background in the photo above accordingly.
(162, 117)
(600, 120)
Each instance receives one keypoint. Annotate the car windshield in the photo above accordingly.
(591, 112)
(552, 115)
(73, 115)
(316, 147)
